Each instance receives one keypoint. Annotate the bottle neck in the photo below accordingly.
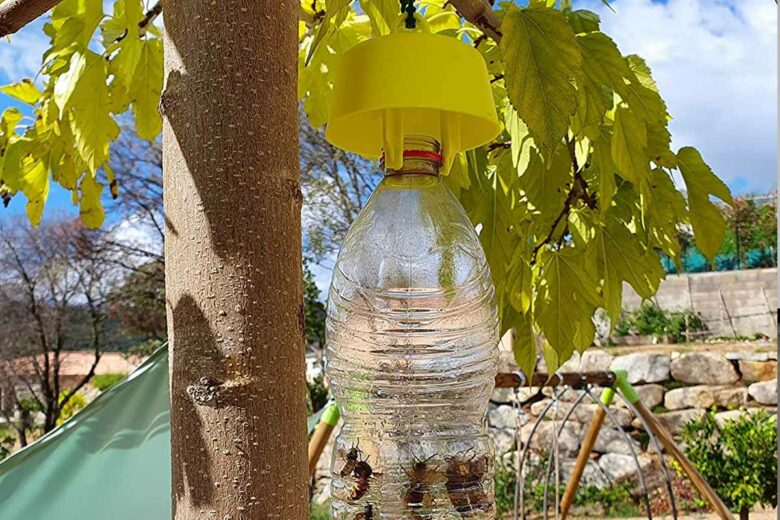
(422, 156)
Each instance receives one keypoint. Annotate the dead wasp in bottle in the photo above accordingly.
(464, 484)
(421, 479)
(352, 457)
(366, 514)
(362, 472)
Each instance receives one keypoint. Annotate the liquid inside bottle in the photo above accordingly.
(412, 352)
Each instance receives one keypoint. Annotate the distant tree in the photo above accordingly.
(751, 226)
(139, 302)
(137, 190)
(335, 184)
(54, 284)
(314, 314)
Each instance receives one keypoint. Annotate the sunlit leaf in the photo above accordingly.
(707, 221)
(542, 60)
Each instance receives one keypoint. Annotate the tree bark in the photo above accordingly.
(233, 260)
(15, 14)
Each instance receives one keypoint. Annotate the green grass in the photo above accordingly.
(105, 381)
(319, 511)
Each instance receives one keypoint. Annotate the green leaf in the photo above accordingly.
(75, 21)
(91, 210)
(335, 13)
(15, 151)
(25, 91)
(519, 282)
(667, 211)
(146, 88)
(565, 301)
(83, 92)
(35, 186)
(604, 169)
(384, 15)
(124, 22)
(707, 221)
(604, 70)
(10, 118)
(641, 92)
(544, 186)
(629, 146)
(524, 343)
(126, 61)
(496, 216)
(621, 257)
(583, 21)
(602, 62)
(521, 141)
(67, 82)
(542, 59)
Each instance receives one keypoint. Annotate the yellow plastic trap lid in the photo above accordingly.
(411, 83)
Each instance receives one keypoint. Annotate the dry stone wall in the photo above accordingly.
(678, 386)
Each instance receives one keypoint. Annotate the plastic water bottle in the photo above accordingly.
(412, 353)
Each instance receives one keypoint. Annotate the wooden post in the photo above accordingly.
(584, 454)
(671, 447)
(321, 436)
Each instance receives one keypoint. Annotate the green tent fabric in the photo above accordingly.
(110, 461)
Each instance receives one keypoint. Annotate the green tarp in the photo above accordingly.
(111, 461)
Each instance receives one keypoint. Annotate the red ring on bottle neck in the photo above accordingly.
(419, 154)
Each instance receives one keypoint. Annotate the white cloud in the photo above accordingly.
(138, 233)
(715, 63)
(21, 55)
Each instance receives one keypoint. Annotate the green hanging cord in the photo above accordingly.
(407, 7)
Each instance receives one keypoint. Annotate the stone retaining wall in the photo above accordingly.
(677, 386)
(731, 302)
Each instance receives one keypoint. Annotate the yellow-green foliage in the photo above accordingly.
(574, 198)
(74, 404)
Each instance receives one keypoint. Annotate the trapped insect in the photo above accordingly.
(367, 514)
(464, 484)
(422, 478)
(352, 456)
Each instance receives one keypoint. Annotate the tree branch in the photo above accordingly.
(481, 15)
(578, 191)
(149, 18)
(15, 14)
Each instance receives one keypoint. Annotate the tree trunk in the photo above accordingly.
(233, 260)
(744, 513)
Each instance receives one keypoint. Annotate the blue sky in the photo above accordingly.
(714, 60)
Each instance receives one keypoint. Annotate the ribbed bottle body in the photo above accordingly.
(412, 336)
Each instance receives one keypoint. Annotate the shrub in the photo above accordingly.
(105, 381)
(7, 441)
(319, 511)
(739, 460)
(685, 321)
(318, 393)
(74, 404)
(650, 320)
(615, 501)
